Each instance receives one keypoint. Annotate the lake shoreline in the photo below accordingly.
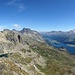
(71, 45)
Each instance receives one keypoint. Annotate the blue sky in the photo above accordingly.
(40, 15)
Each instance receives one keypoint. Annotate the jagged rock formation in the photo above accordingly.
(25, 52)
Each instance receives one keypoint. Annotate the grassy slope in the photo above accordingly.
(58, 62)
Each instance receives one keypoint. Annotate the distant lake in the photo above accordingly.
(59, 45)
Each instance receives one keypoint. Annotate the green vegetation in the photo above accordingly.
(17, 57)
(24, 50)
(57, 62)
(8, 67)
(33, 69)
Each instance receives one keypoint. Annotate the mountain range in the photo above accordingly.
(67, 37)
(26, 52)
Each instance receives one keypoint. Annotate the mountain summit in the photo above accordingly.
(72, 31)
(26, 30)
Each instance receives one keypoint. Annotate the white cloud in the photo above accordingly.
(17, 25)
(21, 8)
(18, 4)
(1, 27)
(11, 2)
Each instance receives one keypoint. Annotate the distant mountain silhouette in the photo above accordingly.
(67, 37)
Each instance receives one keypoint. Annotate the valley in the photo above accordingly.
(61, 39)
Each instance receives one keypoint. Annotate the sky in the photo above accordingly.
(39, 15)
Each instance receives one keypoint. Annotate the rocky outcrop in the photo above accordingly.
(13, 39)
(27, 30)
(25, 52)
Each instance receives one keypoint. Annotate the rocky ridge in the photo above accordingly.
(25, 52)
